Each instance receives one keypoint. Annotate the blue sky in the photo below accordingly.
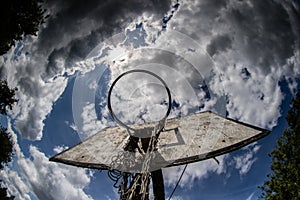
(231, 57)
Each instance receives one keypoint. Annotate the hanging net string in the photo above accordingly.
(139, 182)
(115, 176)
(178, 182)
(142, 182)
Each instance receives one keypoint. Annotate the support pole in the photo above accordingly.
(158, 185)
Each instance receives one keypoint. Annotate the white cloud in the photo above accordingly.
(49, 180)
(240, 35)
(202, 170)
(35, 95)
(59, 149)
(195, 171)
(244, 162)
(90, 123)
(15, 184)
(138, 97)
(254, 100)
(38, 176)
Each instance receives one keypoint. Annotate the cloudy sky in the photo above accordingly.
(238, 58)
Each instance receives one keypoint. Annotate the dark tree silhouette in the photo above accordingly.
(3, 192)
(18, 19)
(6, 146)
(284, 181)
(6, 97)
(6, 151)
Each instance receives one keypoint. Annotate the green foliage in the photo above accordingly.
(284, 181)
(6, 97)
(18, 19)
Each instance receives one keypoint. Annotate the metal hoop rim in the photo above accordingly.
(136, 71)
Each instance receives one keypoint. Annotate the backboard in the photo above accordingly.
(184, 140)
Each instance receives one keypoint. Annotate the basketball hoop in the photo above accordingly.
(140, 133)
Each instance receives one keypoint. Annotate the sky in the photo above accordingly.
(240, 59)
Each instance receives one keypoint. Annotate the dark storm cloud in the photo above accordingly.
(75, 27)
(204, 13)
(219, 43)
(265, 32)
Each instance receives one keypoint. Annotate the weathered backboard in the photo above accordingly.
(187, 139)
